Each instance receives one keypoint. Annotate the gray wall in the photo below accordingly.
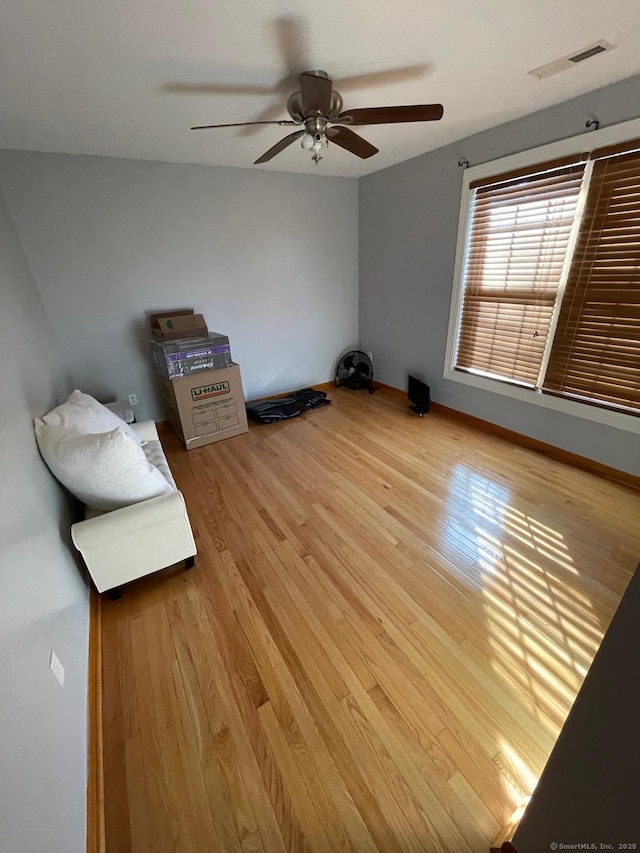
(43, 599)
(270, 259)
(408, 230)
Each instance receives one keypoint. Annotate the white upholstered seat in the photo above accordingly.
(136, 540)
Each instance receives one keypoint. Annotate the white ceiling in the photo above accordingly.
(96, 77)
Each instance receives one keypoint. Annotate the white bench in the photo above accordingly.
(134, 541)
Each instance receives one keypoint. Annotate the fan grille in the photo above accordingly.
(354, 370)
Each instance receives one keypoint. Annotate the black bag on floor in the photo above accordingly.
(283, 408)
(310, 398)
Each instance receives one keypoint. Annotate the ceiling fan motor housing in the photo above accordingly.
(294, 108)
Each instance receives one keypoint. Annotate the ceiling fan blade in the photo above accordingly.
(279, 146)
(292, 36)
(219, 88)
(316, 94)
(391, 115)
(349, 140)
(286, 123)
(382, 78)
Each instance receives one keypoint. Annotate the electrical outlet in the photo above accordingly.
(56, 668)
(133, 400)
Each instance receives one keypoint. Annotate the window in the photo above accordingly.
(596, 352)
(519, 233)
(550, 281)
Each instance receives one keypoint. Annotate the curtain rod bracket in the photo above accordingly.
(464, 163)
(593, 123)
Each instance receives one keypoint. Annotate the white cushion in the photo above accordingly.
(155, 455)
(106, 471)
(83, 414)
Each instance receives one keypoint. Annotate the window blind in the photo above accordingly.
(516, 247)
(596, 348)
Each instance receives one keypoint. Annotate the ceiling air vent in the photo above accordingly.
(588, 53)
(572, 59)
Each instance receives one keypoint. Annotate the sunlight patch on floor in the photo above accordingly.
(541, 628)
(514, 758)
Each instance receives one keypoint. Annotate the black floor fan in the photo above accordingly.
(355, 371)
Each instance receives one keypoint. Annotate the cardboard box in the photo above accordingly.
(185, 356)
(206, 407)
(169, 325)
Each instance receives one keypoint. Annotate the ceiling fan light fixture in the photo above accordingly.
(314, 142)
(307, 142)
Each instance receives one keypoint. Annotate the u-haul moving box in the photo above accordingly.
(205, 407)
(182, 323)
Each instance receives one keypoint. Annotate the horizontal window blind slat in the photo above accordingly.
(510, 283)
(509, 331)
(554, 203)
(615, 388)
(513, 372)
(618, 148)
(528, 188)
(498, 356)
(585, 370)
(613, 384)
(525, 353)
(571, 161)
(552, 208)
(600, 323)
(592, 394)
(617, 349)
(527, 247)
(511, 314)
(611, 405)
(548, 232)
(494, 376)
(506, 369)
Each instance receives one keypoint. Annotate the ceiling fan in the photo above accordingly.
(318, 108)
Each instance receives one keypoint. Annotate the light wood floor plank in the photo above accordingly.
(387, 624)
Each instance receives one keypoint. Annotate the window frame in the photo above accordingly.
(588, 141)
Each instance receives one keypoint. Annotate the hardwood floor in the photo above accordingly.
(387, 624)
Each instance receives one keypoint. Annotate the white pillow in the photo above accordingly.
(106, 471)
(83, 414)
